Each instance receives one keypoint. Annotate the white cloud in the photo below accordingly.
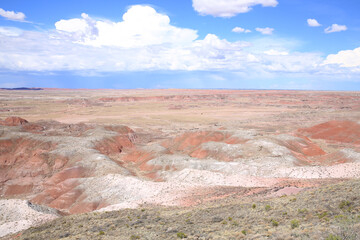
(335, 28)
(313, 23)
(11, 15)
(10, 31)
(240, 30)
(273, 52)
(265, 31)
(346, 58)
(229, 8)
(141, 26)
(85, 46)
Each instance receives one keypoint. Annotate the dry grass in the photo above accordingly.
(291, 217)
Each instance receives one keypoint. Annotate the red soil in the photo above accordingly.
(305, 147)
(13, 121)
(113, 145)
(24, 163)
(190, 143)
(335, 131)
(137, 159)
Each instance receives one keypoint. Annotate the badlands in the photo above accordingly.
(172, 164)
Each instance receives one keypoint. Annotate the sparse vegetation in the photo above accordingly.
(267, 207)
(322, 215)
(305, 218)
(181, 235)
(302, 211)
(274, 223)
(235, 223)
(344, 205)
(333, 237)
(294, 223)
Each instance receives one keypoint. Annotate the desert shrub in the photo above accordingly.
(181, 235)
(244, 232)
(188, 221)
(322, 215)
(333, 237)
(134, 237)
(267, 207)
(344, 205)
(275, 223)
(101, 233)
(294, 223)
(253, 206)
(302, 211)
(235, 223)
(341, 217)
(230, 219)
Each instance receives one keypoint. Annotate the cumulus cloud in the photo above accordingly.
(141, 26)
(10, 31)
(229, 8)
(265, 31)
(274, 52)
(335, 28)
(86, 45)
(313, 23)
(346, 58)
(11, 15)
(240, 30)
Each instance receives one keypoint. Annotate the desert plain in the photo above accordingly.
(179, 163)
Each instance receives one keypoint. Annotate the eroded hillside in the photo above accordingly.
(105, 151)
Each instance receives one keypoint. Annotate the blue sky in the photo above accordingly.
(242, 44)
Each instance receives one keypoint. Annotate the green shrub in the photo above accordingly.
(275, 223)
(322, 215)
(235, 223)
(253, 206)
(302, 211)
(341, 217)
(267, 207)
(244, 232)
(134, 237)
(344, 204)
(101, 233)
(294, 223)
(181, 235)
(333, 237)
(230, 219)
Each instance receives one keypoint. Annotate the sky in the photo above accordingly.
(237, 44)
